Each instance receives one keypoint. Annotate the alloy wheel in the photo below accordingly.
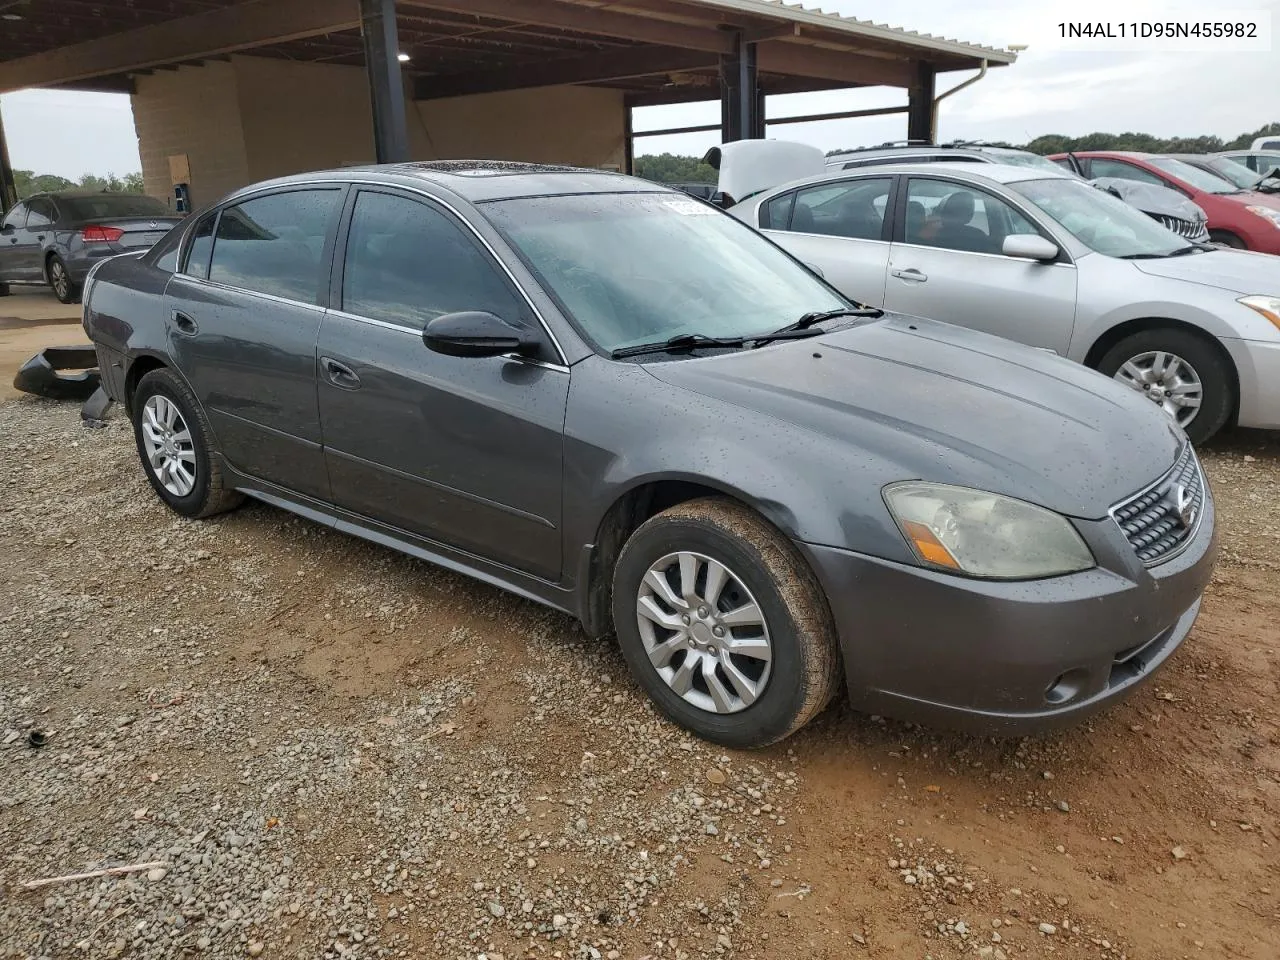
(58, 278)
(1167, 380)
(704, 633)
(170, 450)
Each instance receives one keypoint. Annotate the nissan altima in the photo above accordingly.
(620, 402)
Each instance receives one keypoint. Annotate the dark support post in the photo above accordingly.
(922, 120)
(629, 140)
(741, 105)
(8, 190)
(381, 53)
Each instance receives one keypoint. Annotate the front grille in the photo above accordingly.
(1197, 230)
(1160, 521)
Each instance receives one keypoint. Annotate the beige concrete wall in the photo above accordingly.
(196, 111)
(252, 118)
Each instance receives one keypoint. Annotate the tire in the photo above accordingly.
(1202, 355)
(64, 288)
(207, 495)
(1227, 239)
(802, 671)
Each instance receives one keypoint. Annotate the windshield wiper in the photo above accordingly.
(1194, 248)
(691, 341)
(818, 316)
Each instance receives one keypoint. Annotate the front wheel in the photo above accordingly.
(1182, 372)
(63, 288)
(724, 624)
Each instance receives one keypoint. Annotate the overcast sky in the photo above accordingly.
(1047, 91)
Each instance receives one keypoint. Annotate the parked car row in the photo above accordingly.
(614, 399)
(55, 238)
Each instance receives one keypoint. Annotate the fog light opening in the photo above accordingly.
(1066, 687)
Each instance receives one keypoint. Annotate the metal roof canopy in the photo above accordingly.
(659, 51)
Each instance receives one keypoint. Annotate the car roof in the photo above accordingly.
(481, 180)
(1247, 153)
(997, 173)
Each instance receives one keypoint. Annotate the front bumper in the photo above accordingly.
(1010, 659)
(1257, 365)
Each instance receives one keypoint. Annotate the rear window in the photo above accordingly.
(109, 206)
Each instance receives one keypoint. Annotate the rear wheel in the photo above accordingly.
(724, 625)
(1182, 372)
(63, 288)
(173, 444)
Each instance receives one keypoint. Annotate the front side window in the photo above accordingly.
(853, 209)
(275, 244)
(41, 214)
(197, 264)
(957, 217)
(16, 217)
(407, 263)
(1098, 220)
(631, 268)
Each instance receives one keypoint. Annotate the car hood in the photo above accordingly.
(916, 399)
(1151, 199)
(1239, 271)
(745, 167)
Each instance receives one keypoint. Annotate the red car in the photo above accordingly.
(1237, 218)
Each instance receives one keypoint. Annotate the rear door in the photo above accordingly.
(244, 314)
(463, 451)
(840, 227)
(12, 232)
(946, 264)
(29, 250)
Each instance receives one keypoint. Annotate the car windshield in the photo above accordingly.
(1200, 179)
(1100, 221)
(1235, 173)
(107, 206)
(634, 268)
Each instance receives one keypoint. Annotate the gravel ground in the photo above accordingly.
(337, 751)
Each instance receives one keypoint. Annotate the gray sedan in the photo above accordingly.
(618, 401)
(1049, 261)
(55, 238)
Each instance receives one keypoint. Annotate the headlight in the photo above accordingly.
(1268, 213)
(984, 534)
(1269, 307)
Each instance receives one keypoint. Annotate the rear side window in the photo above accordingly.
(197, 264)
(854, 209)
(41, 214)
(407, 263)
(777, 213)
(275, 244)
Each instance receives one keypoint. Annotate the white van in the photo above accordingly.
(1267, 143)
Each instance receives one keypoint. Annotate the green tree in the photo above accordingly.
(672, 168)
(28, 182)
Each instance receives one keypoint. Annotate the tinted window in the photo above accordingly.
(1102, 167)
(201, 245)
(275, 244)
(41, 214)
(407, 263)
(956, 217)
(1200, 179)
(16, 216)
(852, 208)
(105, 206)
(777, 212)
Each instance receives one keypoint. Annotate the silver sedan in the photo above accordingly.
(1048, 261)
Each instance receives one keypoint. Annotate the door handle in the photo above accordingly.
(339, 374)
(910, 274)
(184, 323)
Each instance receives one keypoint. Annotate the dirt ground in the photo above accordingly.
(338, 751)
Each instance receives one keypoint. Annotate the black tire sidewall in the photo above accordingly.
(772, 715)
(1218, 396)
(164, 383)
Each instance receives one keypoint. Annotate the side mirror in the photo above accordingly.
(476, 333)
(7, 229)
(1029, 246)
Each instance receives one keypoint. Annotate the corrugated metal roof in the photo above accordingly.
(867, 29)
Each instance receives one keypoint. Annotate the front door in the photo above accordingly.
(841, 229)
(946, 264)
(244, 314)
(11, 234)
(465, 452)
